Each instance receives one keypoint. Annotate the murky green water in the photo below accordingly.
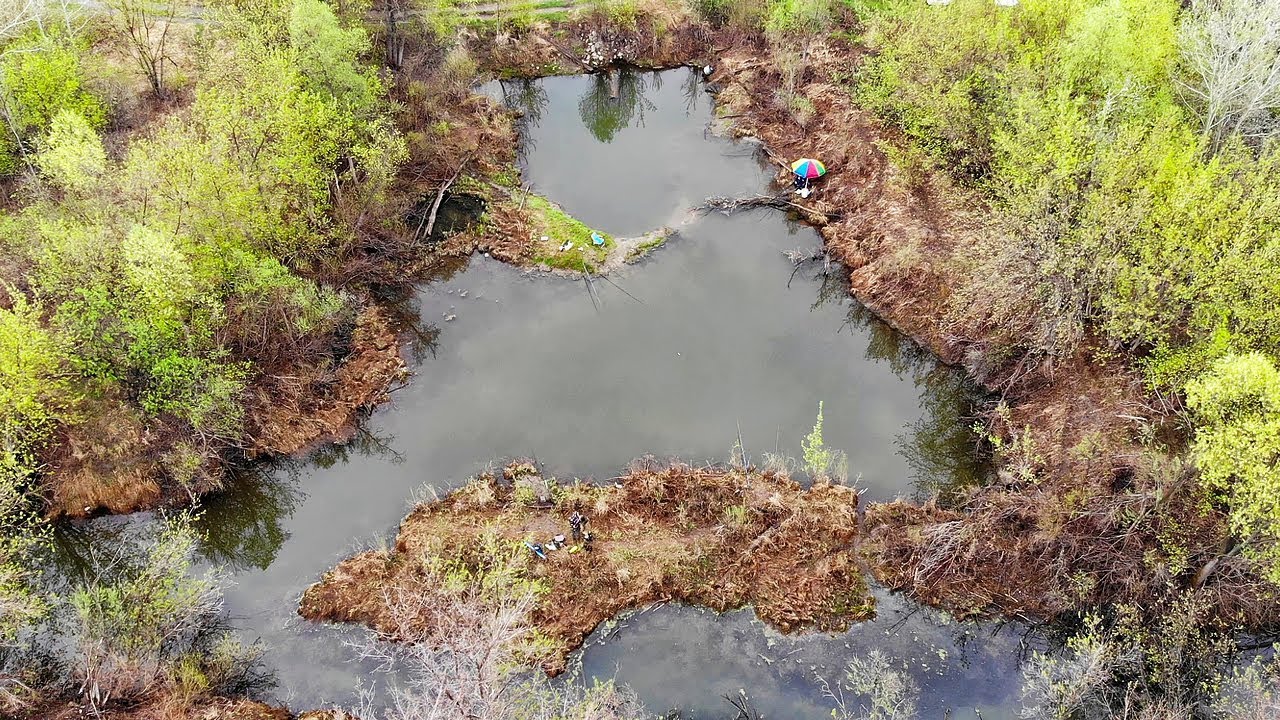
(716, 334)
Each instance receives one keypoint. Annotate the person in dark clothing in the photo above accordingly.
(803, 186)
(576, 521)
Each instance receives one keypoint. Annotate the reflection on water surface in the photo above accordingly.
(714, 333)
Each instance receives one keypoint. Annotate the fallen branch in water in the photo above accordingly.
(729, 205)
(435, 206)
(800, 256)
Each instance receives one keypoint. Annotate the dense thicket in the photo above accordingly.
(152, 276)
(1130, 152)
(157, 251)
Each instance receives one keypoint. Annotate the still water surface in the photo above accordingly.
(723, 336)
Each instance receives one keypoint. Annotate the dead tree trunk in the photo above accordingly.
(395, 41)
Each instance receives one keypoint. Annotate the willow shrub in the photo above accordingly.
(33, 400)
(1237, 446)
(40, 78)
(942, 73)
(147, 621)
(1112, 214)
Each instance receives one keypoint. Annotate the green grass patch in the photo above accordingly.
(556, 17)
(507, 177)
(559, 227)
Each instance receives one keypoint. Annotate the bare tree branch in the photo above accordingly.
(145, 25)
(1232, 48)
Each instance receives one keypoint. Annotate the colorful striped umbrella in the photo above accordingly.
(808, 168)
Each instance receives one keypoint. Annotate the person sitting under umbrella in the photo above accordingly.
(806, 170)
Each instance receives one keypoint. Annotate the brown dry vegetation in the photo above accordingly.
(97, 464)
(177, 709)
(291, 415)
(661, 35)
(718, 537)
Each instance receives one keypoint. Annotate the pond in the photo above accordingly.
(712, 338)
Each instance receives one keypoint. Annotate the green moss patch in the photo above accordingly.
(548, 220)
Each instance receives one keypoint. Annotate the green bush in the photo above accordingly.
(34, 398)
(328, 55)
(146, 619)
(1112, 217)
(42, 77)
(71, 154)
(820, 461)
(1237, 448)
(797, 18)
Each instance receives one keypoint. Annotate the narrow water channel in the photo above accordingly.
(712, 336)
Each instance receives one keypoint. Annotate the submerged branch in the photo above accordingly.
(731, 205)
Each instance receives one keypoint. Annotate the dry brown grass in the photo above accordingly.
(662, 35)
(172, 708)
(309, 403)
(107, 461)
(716, 537)
(1044, 550)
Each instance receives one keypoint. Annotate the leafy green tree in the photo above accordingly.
(252, 165)
(71, 155)
(33, 392)
(329, 56)
(1237, 447)
(41, 77)
(34, 398)
(265, 18)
